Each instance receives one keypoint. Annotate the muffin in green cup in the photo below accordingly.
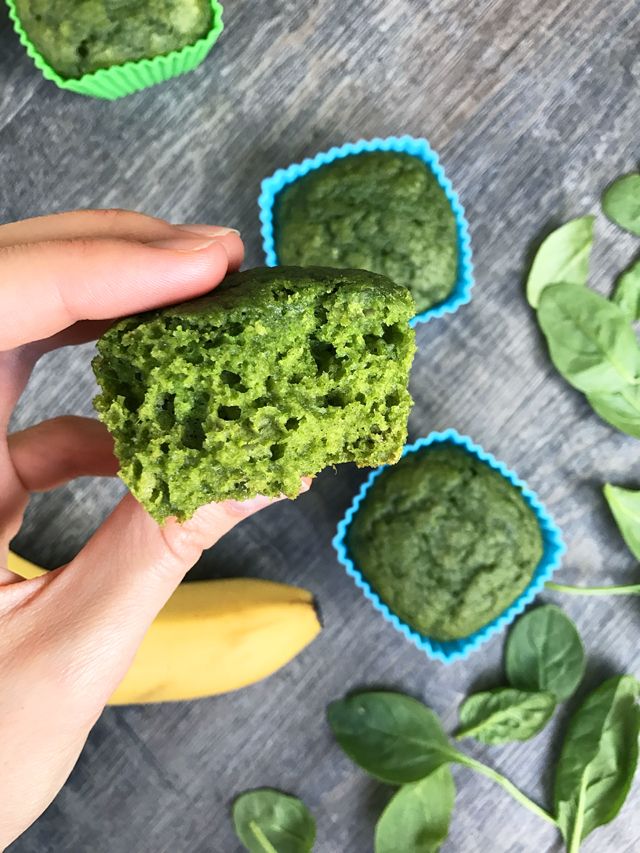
(109, 48)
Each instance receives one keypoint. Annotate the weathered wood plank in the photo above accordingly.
(534, 108)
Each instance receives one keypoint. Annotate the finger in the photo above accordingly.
(87, 224)
(16, 365)
(90, 330)
(233, 247)
(107, 597)
(14, 372)
(109, 224)
(15, 369)
(8, 577)
(80, 333)
(56, 451)
(48, 287)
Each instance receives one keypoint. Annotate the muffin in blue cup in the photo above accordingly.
(449, 545)
(383, 205)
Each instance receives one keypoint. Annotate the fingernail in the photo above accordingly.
(208, 230)
(184, 244)
(252, 505)
(305, 484)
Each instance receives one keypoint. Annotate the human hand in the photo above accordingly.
(68, 638)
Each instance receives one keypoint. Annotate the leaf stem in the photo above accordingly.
(509, 787)
(261, 838)
(576, 833)
(627, 589)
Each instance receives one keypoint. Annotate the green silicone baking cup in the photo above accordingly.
(120, 80)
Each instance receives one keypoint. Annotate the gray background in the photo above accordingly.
(534, 108)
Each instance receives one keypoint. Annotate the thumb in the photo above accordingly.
(107, 597)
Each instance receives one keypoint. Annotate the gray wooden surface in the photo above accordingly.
(534, 107)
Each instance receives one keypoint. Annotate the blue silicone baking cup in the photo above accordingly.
(461, 293)
(452, 650)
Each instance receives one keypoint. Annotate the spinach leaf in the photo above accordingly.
(417, 818)
(627, 293)
(267, 821)
(399, 740)
(590, 339)
(544, 652)
(563, 256)
(621, 202)
(392, 736)
(620, 409)
(505, 714)
(598, 759)
(625, 506)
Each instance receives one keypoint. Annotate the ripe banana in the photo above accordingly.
(212, 637)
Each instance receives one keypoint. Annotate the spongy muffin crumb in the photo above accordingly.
(276, 375)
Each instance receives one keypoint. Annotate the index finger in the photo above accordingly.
(111, 223)
(47, 287)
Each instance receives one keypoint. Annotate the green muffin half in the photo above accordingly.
(275, 375)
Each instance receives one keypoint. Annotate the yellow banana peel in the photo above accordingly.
(23, 567)
(213, 637)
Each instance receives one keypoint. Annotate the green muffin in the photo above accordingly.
(446, 541)
(77, 37)
(275, 375)
(382, 211)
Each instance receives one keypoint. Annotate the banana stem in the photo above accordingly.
(509, 787)
(627, 589)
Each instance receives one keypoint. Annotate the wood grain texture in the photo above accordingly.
(534, 107)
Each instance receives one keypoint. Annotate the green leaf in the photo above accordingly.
(562, 256)
(392, 736)
(598, 759)
(625, 506)
(621, 409)
(504, 715)
(417, 818)
(267, 821)
(627, 293)
(590, 339)
(544, 652)
(621, 202)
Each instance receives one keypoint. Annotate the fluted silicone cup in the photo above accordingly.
(120, 80)
(271, 186)
(453, 650)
